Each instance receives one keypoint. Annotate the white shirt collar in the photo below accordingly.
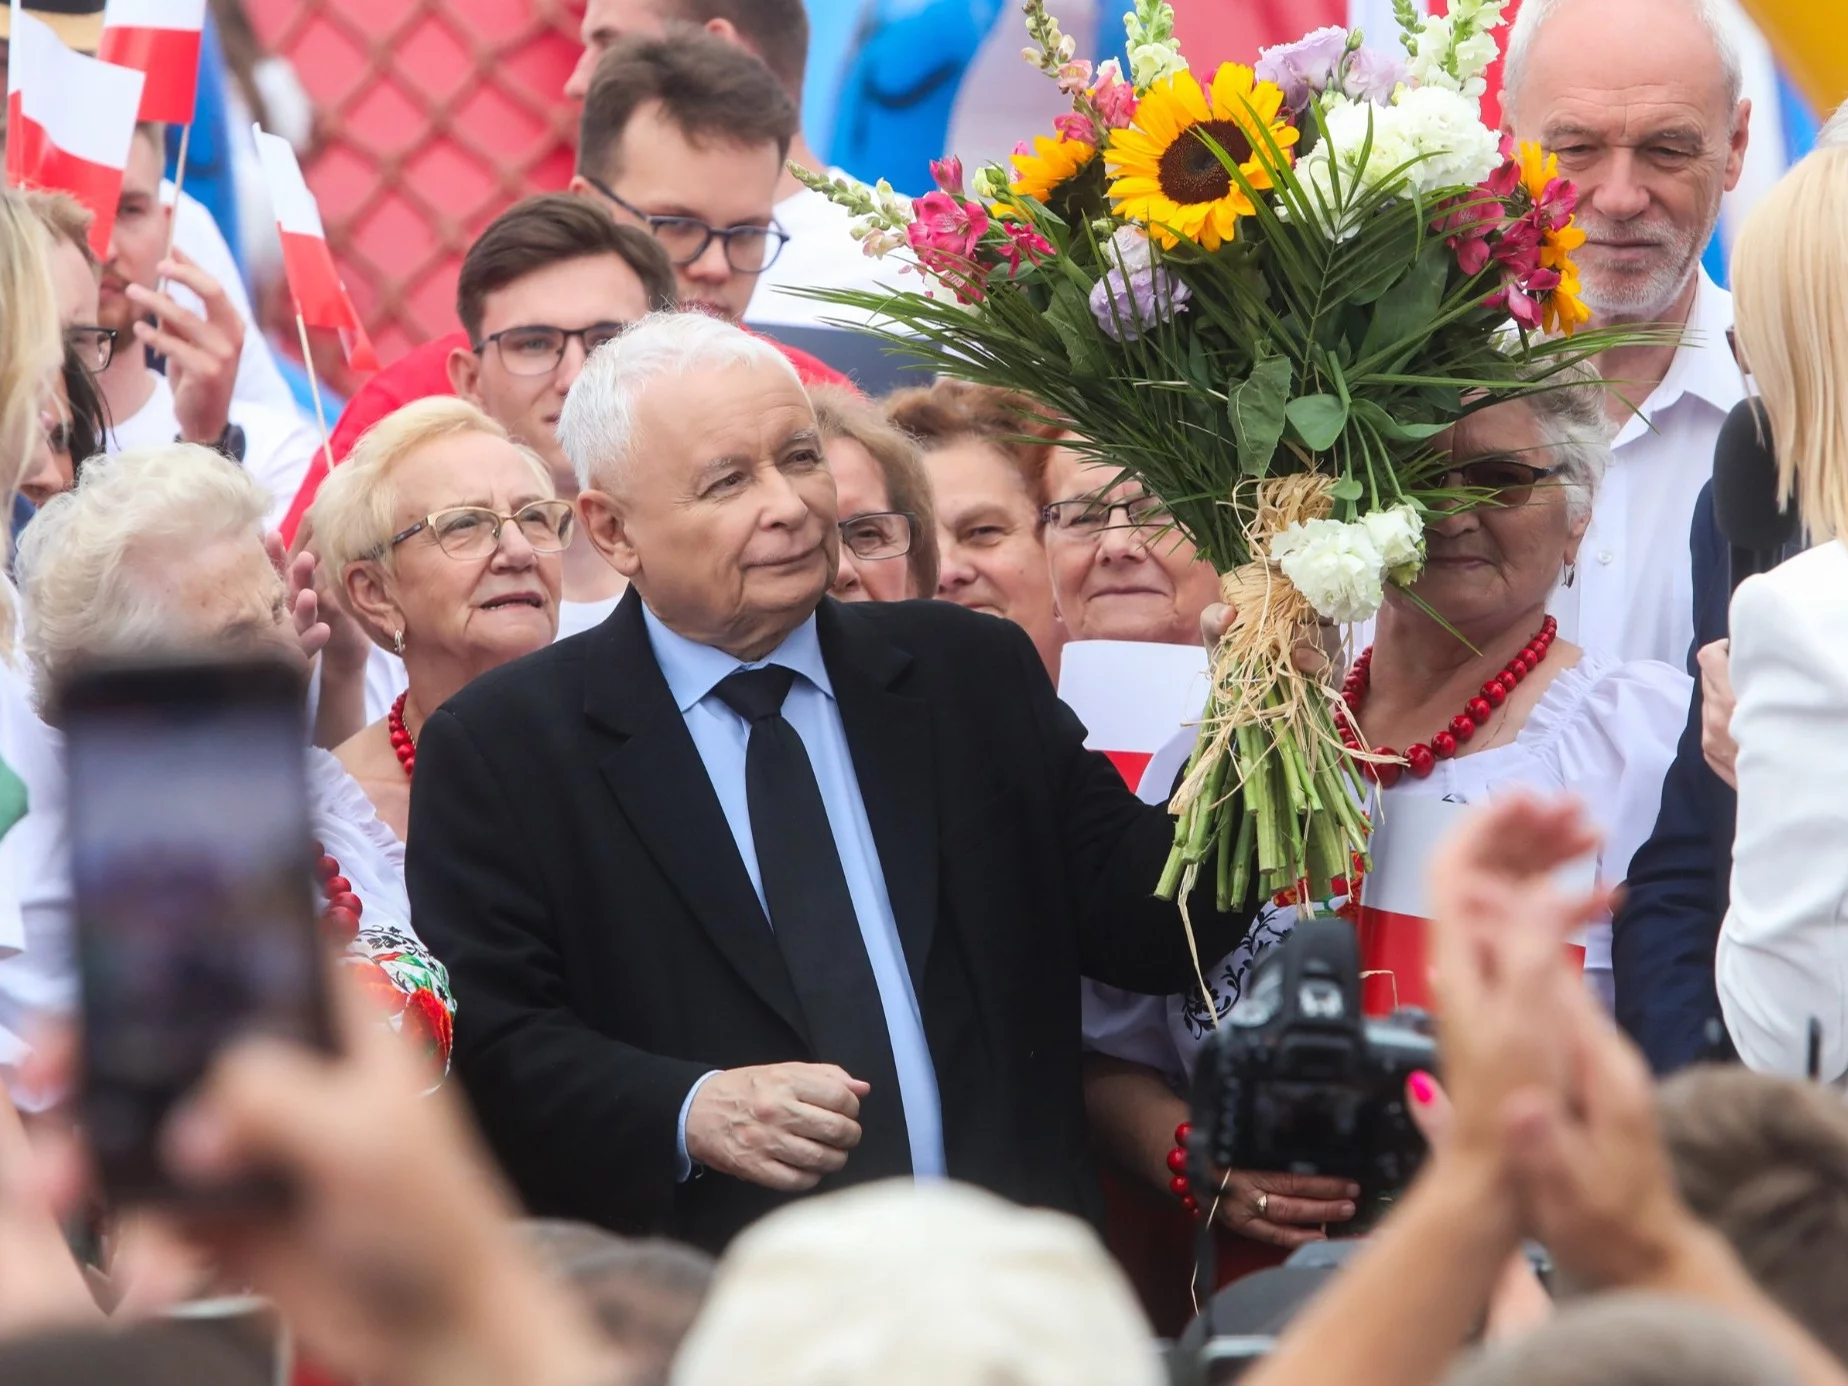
(1703, 366)
(693, 670)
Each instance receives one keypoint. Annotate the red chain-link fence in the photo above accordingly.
(433, 116)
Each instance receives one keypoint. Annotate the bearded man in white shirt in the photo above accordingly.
(820, 253)
(1642, 103)
(194, 401)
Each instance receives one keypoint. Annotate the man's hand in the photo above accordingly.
(780, 1125)
(1295, 1205)
(1716, 710)
(202, 353)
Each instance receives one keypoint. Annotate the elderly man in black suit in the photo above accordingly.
(747, 892)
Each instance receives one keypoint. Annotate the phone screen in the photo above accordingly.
(192, 871)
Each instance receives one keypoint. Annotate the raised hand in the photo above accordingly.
(202, 352)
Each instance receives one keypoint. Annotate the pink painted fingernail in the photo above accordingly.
(1423, 1089)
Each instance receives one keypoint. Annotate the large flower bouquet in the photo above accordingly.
(1265, 294)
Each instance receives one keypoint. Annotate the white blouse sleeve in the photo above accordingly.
(1614, 750)
(369, 853)
(1783, 951)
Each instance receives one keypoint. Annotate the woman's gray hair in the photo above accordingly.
(81, 569)
(597, 426)
(1631, 1339)
(1578, 431)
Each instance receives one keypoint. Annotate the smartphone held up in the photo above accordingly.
(192, 860)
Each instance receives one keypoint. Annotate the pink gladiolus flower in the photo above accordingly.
(948, 174)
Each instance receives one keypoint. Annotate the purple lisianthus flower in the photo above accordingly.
(1306, 68)
(1371, 75)
(1127, 305)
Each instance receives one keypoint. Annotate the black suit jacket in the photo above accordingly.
(1665, 934)
(570, 863)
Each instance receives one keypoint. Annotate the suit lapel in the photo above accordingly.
(665, 793)
(889, 738)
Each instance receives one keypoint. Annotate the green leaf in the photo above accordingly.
(1256, 408)
(1347, 489)
(1387, 426)
(1070, 316)
(1406, 311)
(1317, 419)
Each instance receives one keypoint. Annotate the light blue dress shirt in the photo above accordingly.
(721, 736)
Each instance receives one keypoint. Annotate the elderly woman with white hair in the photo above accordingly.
(1467, 680)
(445, 541)
(163, 548)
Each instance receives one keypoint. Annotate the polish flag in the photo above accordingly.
(70, 121)
(320, 297)
(160, 38)
(1137, 700)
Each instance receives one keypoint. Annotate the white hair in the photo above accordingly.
(1578, 432)
(1834, 133)
(908, 1284)
(1533, 15)
(81, 559)
(597, 426)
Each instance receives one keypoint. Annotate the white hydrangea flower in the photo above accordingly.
(1441, 130)
(1399, 535)
(1336, 566)
(1446, 128)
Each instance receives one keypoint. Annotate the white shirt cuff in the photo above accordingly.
(684, 1169)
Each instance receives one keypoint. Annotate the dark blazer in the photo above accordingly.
(571, 865)
(1665, 934)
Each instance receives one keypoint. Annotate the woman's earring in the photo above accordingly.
(1571, 577)
(397, 636)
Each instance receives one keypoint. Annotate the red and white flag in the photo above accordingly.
(70, 121)
(1136, 698)
(320, 297)
(160, 38)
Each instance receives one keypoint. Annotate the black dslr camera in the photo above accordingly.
(1297, 1080)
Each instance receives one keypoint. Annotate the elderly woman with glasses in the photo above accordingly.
(884, 501)
(1436, 686)
(443, 540)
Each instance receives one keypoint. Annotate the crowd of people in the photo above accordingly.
(750, 975)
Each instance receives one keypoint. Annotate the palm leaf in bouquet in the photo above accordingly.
(1267, 296)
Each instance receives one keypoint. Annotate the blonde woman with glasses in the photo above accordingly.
(444, 540)
(1782, 961)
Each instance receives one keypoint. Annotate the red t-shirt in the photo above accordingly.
(424, 371)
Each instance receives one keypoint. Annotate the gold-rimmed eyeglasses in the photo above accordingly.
(474, 531)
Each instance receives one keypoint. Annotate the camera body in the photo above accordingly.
(1298, 1080)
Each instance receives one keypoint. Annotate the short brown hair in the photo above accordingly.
(708, 88)
(547, 230)
(65, 219)
(949, 411)
(1764, 1162)
(775, 30)
(845, 413)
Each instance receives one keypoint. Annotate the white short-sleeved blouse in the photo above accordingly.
(1603, 730)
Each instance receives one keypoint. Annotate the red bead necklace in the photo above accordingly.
(402, 741)
(341, 917)
(1178, 1183)
(1421, 758)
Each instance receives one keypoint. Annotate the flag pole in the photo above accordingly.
(179, 187)
(314, 390)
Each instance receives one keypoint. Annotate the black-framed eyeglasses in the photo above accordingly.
(880, 534)
(1507, 482)
(474, 531)
(748, 249)
(1088, 516)
(537, 348)
(95, 346)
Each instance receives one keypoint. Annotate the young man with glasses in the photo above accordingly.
(685, 136)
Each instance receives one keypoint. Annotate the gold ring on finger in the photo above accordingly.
(1263, 1205)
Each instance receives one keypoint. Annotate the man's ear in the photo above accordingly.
(465, 374)
(370, 598)
(606, 522)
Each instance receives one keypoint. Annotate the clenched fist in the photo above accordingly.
(780, 1125)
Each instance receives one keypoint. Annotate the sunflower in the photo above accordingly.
(1054, 161)
(1167, 177)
